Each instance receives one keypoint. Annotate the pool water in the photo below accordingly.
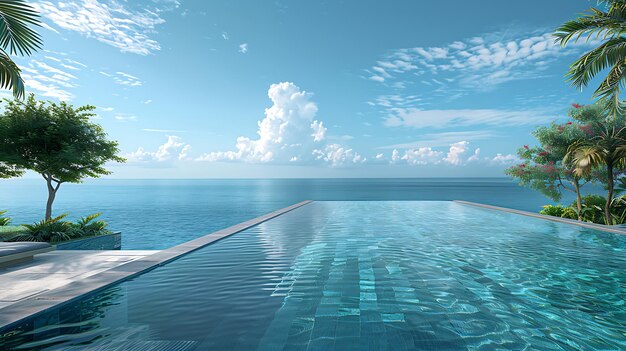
(364, 276)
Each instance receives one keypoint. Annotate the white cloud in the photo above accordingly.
(126, 79)
(419, 156)
(49, 79)
(243, 48)
(336, 155)
(444, 139)
(225, 36)
(478, 63)
(162, 130)
(146, 102)
(288, 133)
(417, 118)
(475, 156)
(504, 159)
(125, 117)
(110, 22)
(173, 149)
(456, 153)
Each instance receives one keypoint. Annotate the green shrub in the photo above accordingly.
(88, 227)
(56, 230)
(4, 220)
(592, 208)
(551, 210)
(53, 230)
(569, 213)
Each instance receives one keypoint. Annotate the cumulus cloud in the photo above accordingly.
(475, 156)
(504, 159)
(173, 149)
(336, 155)
(288, 133)
(110, 22)
(419, 156)
(456, 153)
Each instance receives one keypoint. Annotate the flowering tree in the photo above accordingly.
(543, 167)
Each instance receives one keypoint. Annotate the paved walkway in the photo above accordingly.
(58, 268)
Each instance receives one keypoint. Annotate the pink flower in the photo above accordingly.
(577, 105)
(526, 147)
(568, 123)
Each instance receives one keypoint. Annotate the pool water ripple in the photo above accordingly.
(365, 276)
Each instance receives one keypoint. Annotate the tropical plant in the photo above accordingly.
(51, 230)
(55, 230)
(16, 37)
(552, 210)
(4, 221)
(605, 150)
(57, 141)
(86, 226)
(570, 213)
(543, 167)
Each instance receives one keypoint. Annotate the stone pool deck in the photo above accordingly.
(55, 269)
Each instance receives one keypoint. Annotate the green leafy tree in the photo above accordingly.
(543, 168)
(57, 141)
(16, 37)
(604, 149)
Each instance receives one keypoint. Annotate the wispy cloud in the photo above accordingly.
(111, 22)
(47, 75)
(122, 78)
(477, 63)
(162, 130)
(444, 139)
(418, 118)
(243, 48)
(125, 117)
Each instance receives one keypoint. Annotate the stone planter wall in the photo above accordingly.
(111, 241)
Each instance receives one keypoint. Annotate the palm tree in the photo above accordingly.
(16, 38)
(610, 26)
(607, 149)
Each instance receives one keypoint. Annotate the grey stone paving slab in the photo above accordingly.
(105, 269)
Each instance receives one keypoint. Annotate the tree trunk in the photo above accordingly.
(579, 205)
(52, 192)
(609, 194)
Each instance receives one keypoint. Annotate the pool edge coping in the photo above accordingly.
(35, 305)
(601, 227)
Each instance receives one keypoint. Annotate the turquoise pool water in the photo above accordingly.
(364, 276)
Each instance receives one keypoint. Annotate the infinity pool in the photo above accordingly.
(364, 276)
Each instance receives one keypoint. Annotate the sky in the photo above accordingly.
(274, 89)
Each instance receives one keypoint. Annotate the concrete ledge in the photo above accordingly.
(32, 306)
(112, 241)
(601, 227)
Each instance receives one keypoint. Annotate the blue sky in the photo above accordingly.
(199, 89)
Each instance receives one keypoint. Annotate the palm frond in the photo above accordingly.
(593, 22)
(610, 88)
(608, 54)
(11, 75)
(585, 158)
(15, 34)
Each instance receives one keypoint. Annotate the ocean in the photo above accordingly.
(157, 214)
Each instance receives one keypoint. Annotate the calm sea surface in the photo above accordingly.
(156, 214)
